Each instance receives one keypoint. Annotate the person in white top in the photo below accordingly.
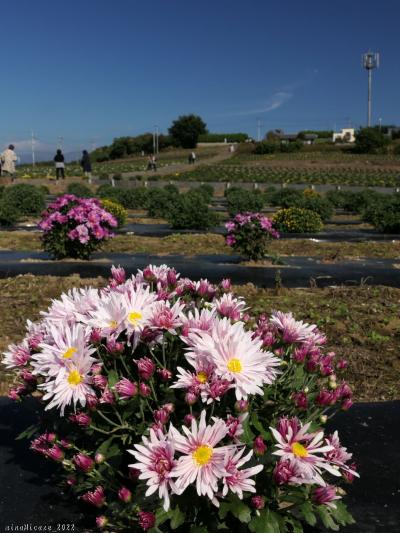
(8, 159)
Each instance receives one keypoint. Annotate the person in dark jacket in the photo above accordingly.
(86, 165)
(60, 165)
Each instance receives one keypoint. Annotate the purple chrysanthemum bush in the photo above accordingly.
(167, 405)
(75, 227)
(250, 233)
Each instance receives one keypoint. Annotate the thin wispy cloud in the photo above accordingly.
(275, 101)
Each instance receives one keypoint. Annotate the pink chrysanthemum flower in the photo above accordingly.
(64, 344)
(305, 449)
(155, 461)
(291, 330)
(196, 321)
(238, 357)
(339, 455)
(72, 306)
(109, 315)
(70, 386)
(235, 480)
(138, 305)
(166, 317)
(17, 355)
(202, 461)
(229, 306)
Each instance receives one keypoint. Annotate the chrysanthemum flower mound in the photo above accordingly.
(172, 406)
(75, 227)
(250, 233)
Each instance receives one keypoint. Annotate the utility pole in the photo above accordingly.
(155, 139)
(33, 148)
(370, 61)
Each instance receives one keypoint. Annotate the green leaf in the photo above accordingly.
(341, 514)
(247, 435)
(177, 518)
(259, 427)
(113, 378)
(267, 522)
(308, 514)
(327, 520)
(162, 516)
(103, 448)
(295, 524)
(27, 433)
(235, 506)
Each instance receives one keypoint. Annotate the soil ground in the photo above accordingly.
(362, 323)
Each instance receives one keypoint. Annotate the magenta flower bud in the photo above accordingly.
(50, 437)
(144, 390)
(299, 354)
(259, 446)
(188, 419)
(91, 401)
(99, 458)
(300, 400)
(101, 521)
(325, 397)
(346, 404)
(341, 364)
(161, 416)
(13, 395)
(219, 388)
(100, 381)
(71, 481)
(96, 336)
(324, 495)
(118, 274)
(171, 277)
(349, 475)
(146, 368)
(28, 376)
(283, 472)
(146, 520)
(226, 284)
(241, 406)
(114, 347)
(246, 317)
(169, 407)
(96, 498)
(83, 462)
(107, 397)
(258, 502)
(125, 495)
(82, 419)
(190, 398)
(96, 368)
(164, 374)
(55, 453)
(65, 444)
(126, 389)
(134, 473)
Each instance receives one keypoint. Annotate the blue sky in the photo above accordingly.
(90, 70)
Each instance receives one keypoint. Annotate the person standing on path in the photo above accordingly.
(193, 158)
(86, 165)
(154, 162)
(8, 159)
(60, 165)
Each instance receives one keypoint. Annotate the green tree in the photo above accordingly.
(185, 130)
(370, 141)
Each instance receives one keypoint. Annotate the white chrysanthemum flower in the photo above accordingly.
(72, 306)
(71, 385)
(109, 315)
(64, 344)
(238, 357)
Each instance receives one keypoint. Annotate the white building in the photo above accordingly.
(345, 135)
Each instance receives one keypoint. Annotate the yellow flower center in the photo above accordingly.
(201, 377)
(299, 450)
(234, 365)
(113, 324)
(134, 317)
(69, 353)
(202, 455)
(74, 378)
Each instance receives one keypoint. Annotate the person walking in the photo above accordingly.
(193, 158)
(60, 165)
(154, 162)
(86, 165)
(8, 159)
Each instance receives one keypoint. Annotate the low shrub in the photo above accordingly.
(25, 199)
(240, 201)
(117, 210)
(159, 201)
(385, 214)
(8, 214)
(341, 199)
(266, 148)
(207, 191)
(75, 227)
(249, 234)
(79, 189)
(319, 205)
(190, 211)
(108, 191)
(286, 198)
(297, 220)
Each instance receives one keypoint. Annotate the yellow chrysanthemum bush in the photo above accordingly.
(117, 210)
(297, 220)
